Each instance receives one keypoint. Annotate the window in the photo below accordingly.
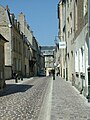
(19, 65)
(76, 62)
(71, 30)
(14, 63)
(13, 44)
(80, 58)
(70, 2)
(83, 59)
(19, 47)
(68, 34)
(76, 1)
(76, 15)
(67, 3)
(71, 15)
(85, 7)
(68, 19)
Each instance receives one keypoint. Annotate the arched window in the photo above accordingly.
(85, 9)
(76, 62)
(82, 59)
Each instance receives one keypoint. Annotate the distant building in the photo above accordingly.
(2, 64)
(48, 52)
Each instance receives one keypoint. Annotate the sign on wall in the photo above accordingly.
(62, 45)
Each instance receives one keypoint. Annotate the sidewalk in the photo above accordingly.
(67, 102)
(11, 82)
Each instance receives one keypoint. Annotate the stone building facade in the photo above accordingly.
(2, 62)
(48, 52)
(76, 31)
(34, 50)
(81, 45)
(70, 37)
(62, 37)
(21, 51)
(5, 30)
(10, 29)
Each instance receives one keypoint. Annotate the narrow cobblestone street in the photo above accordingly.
(45, 60)
(43, 99)
(22, 101)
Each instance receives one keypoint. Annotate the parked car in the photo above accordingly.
(41, 73)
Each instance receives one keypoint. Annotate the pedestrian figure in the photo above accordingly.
(73, 80)
(53, 73)
(58, 73)
(49, 73)
(21, 77)
(16, 78)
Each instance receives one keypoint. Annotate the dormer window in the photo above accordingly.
(12, 18)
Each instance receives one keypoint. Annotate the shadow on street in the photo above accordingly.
(14, 88)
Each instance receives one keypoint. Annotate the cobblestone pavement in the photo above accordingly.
(22, 101)
(67, 103)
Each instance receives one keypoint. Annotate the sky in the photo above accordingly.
(41, 15)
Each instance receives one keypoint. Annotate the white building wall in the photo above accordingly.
(62, 36)
(81, 60)
(70, 37)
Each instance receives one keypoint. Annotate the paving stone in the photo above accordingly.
(23, 101)
(67, 103)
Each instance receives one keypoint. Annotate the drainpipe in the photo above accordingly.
(88, 97)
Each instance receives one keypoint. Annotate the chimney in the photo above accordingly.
(7, 8)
